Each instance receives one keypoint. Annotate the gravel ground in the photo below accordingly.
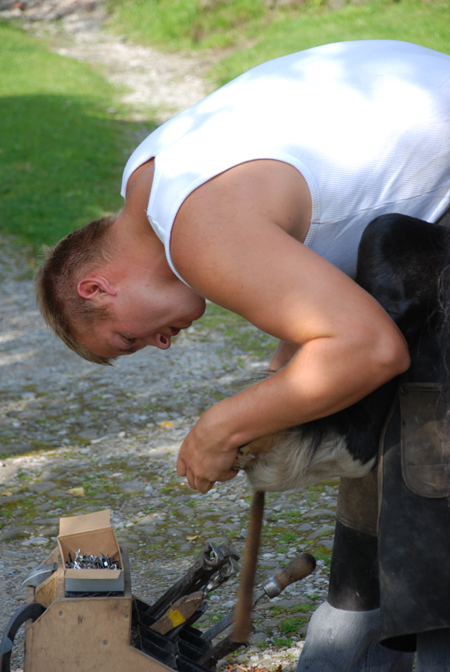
(114, 432)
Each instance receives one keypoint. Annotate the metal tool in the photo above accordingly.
(297, 569)
(185, 607)
(213, 559)
(86, 561)
(242, 621)
(38, 574)
(224, 648)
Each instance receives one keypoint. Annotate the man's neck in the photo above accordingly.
(140, 182)
(135, 242)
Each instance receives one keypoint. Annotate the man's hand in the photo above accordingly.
(207, 455)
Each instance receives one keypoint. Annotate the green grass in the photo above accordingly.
(60, 151)
(290, 625)
(187, 24)
(256, 33)
(409, 20)
(282, 641)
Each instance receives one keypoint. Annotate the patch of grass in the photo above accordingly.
(276, 611)
(314, 24)
(60, 150)
(187, 24)
(302, 608)
(324, 554)
(23, 476)
(282, 641)
(256, 32)
(288, 537)
(291, 625)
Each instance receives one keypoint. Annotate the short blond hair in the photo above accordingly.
(56, 281)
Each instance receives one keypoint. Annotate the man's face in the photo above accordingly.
(141, 318)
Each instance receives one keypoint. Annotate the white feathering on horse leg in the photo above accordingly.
(293, 463)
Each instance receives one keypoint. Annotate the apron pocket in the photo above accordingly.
(425, 445)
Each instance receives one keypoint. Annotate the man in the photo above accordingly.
(256, 199)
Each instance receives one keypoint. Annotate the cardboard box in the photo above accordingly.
(91, 534)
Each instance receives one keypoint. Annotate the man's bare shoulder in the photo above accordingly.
(266, 189)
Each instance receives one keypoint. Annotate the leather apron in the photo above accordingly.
(392, 541)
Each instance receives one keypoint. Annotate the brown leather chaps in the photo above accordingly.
(392, 540)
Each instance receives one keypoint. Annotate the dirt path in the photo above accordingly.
(115, 431)
(155, 82)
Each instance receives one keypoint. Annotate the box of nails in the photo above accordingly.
(90, 554)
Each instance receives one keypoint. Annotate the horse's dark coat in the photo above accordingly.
(401, 262)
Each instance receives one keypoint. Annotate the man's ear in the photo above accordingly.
(95, 287)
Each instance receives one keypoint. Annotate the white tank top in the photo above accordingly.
(366, 123)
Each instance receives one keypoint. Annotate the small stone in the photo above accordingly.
(147, 520)
(187, 547)
(76, 492)
(46, 506)
(184, 510)
(318, 513)
(20, 447)
(258, 638)
(88, 434)
(12, 498)
(50, 531)
(270, 564)
(46, 476)
(53, 520)
(15, 532)
(38, 541)
(131, 487)
(40, 488)
(209, 523)
(148, 530)
(59, 494)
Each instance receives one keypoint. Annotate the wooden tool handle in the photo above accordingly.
(297, 569)
(242, 623)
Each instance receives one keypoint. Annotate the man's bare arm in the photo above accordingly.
(229, 249)
(282, 356)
